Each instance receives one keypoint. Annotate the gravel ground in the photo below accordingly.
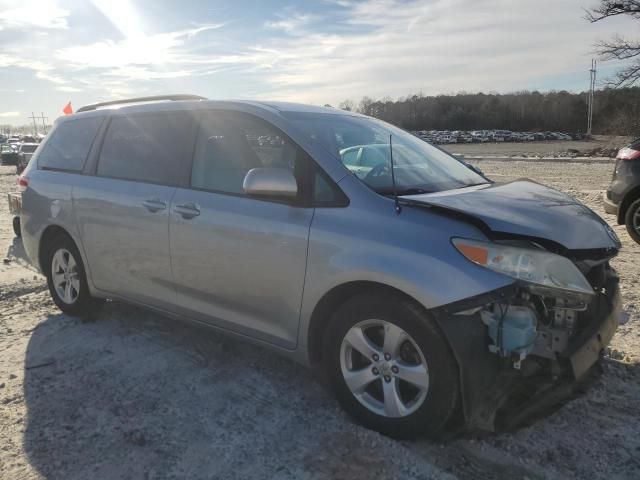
(538, 148)
(135, 395)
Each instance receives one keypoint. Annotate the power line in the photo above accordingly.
(44, 125)
(592, 87)
(35, 127)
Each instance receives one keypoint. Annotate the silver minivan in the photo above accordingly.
(426, 296)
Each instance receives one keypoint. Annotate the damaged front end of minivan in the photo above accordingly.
(523, 348)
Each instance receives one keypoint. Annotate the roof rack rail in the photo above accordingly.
(95, 106)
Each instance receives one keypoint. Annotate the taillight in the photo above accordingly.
(23, 182)
(627, 153)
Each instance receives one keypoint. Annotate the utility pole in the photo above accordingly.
(592, 87)
(44, 125)
(35, 127)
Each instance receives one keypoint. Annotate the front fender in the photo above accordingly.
(410, 252)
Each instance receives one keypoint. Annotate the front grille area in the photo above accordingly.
(597, 276)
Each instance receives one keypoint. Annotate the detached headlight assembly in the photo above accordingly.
(541, 269)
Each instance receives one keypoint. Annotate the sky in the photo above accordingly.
(324, 51)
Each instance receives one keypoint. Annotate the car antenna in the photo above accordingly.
(393, 176)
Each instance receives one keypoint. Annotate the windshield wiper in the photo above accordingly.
(474, 184)
(405, 191)
(414, 191)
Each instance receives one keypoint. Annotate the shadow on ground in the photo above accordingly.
(135, 395)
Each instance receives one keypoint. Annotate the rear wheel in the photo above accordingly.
(632, 220)
(67, 280)
(390, 367)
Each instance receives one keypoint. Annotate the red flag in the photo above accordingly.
(68, 109)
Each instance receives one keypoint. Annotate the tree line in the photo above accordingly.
(616, 111)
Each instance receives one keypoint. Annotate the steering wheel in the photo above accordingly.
(378, 171)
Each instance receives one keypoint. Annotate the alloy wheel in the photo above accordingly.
(64, 275)
(384, 368)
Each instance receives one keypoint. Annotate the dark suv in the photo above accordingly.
(622, 198)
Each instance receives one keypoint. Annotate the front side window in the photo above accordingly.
(68, 145)
(146, 147)
(230, 144)
(418, 166)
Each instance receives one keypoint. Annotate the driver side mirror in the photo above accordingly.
(270, 182)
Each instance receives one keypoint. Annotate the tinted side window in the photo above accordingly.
(146, 147)
(68, 146)
(230, 144)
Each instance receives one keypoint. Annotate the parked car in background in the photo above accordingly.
(25, 152)
(622, 197)
(9, 153)
(438, 137)
(399, 279)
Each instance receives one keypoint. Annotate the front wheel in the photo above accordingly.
(67, 280)
(390, 367)
(632, 220)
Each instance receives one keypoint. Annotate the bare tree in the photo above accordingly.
(348, 105)
(618, 47)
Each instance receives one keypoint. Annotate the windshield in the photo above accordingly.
(362, 144)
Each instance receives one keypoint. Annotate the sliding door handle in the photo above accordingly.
(154, 205)
(187, 210)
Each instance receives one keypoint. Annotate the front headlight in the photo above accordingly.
(536, 267)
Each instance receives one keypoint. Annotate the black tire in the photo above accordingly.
(84, 305)
(633, 226)
(443, 391)
(16, 226)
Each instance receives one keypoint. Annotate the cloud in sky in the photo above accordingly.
(320, 51)
(9, 114)
(33, 13)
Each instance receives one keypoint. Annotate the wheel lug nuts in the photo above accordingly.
(387, 356)
(394, 369)
(375, 357)
(375, 371)
(387, 378)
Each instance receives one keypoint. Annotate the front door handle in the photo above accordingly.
(154, 205)
(187, 210)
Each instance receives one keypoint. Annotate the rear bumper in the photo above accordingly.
(15, 203)
(496, 397)
(609, 205)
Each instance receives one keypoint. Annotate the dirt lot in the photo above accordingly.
(598, 146)
(135, 395)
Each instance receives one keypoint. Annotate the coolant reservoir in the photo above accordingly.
(518, 329)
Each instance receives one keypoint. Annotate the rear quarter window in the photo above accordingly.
(69, 144)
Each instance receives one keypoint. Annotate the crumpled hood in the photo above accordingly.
(526, 208)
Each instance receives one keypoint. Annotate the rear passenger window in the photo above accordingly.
(230, 144)
(69, 144)
(146, 147)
